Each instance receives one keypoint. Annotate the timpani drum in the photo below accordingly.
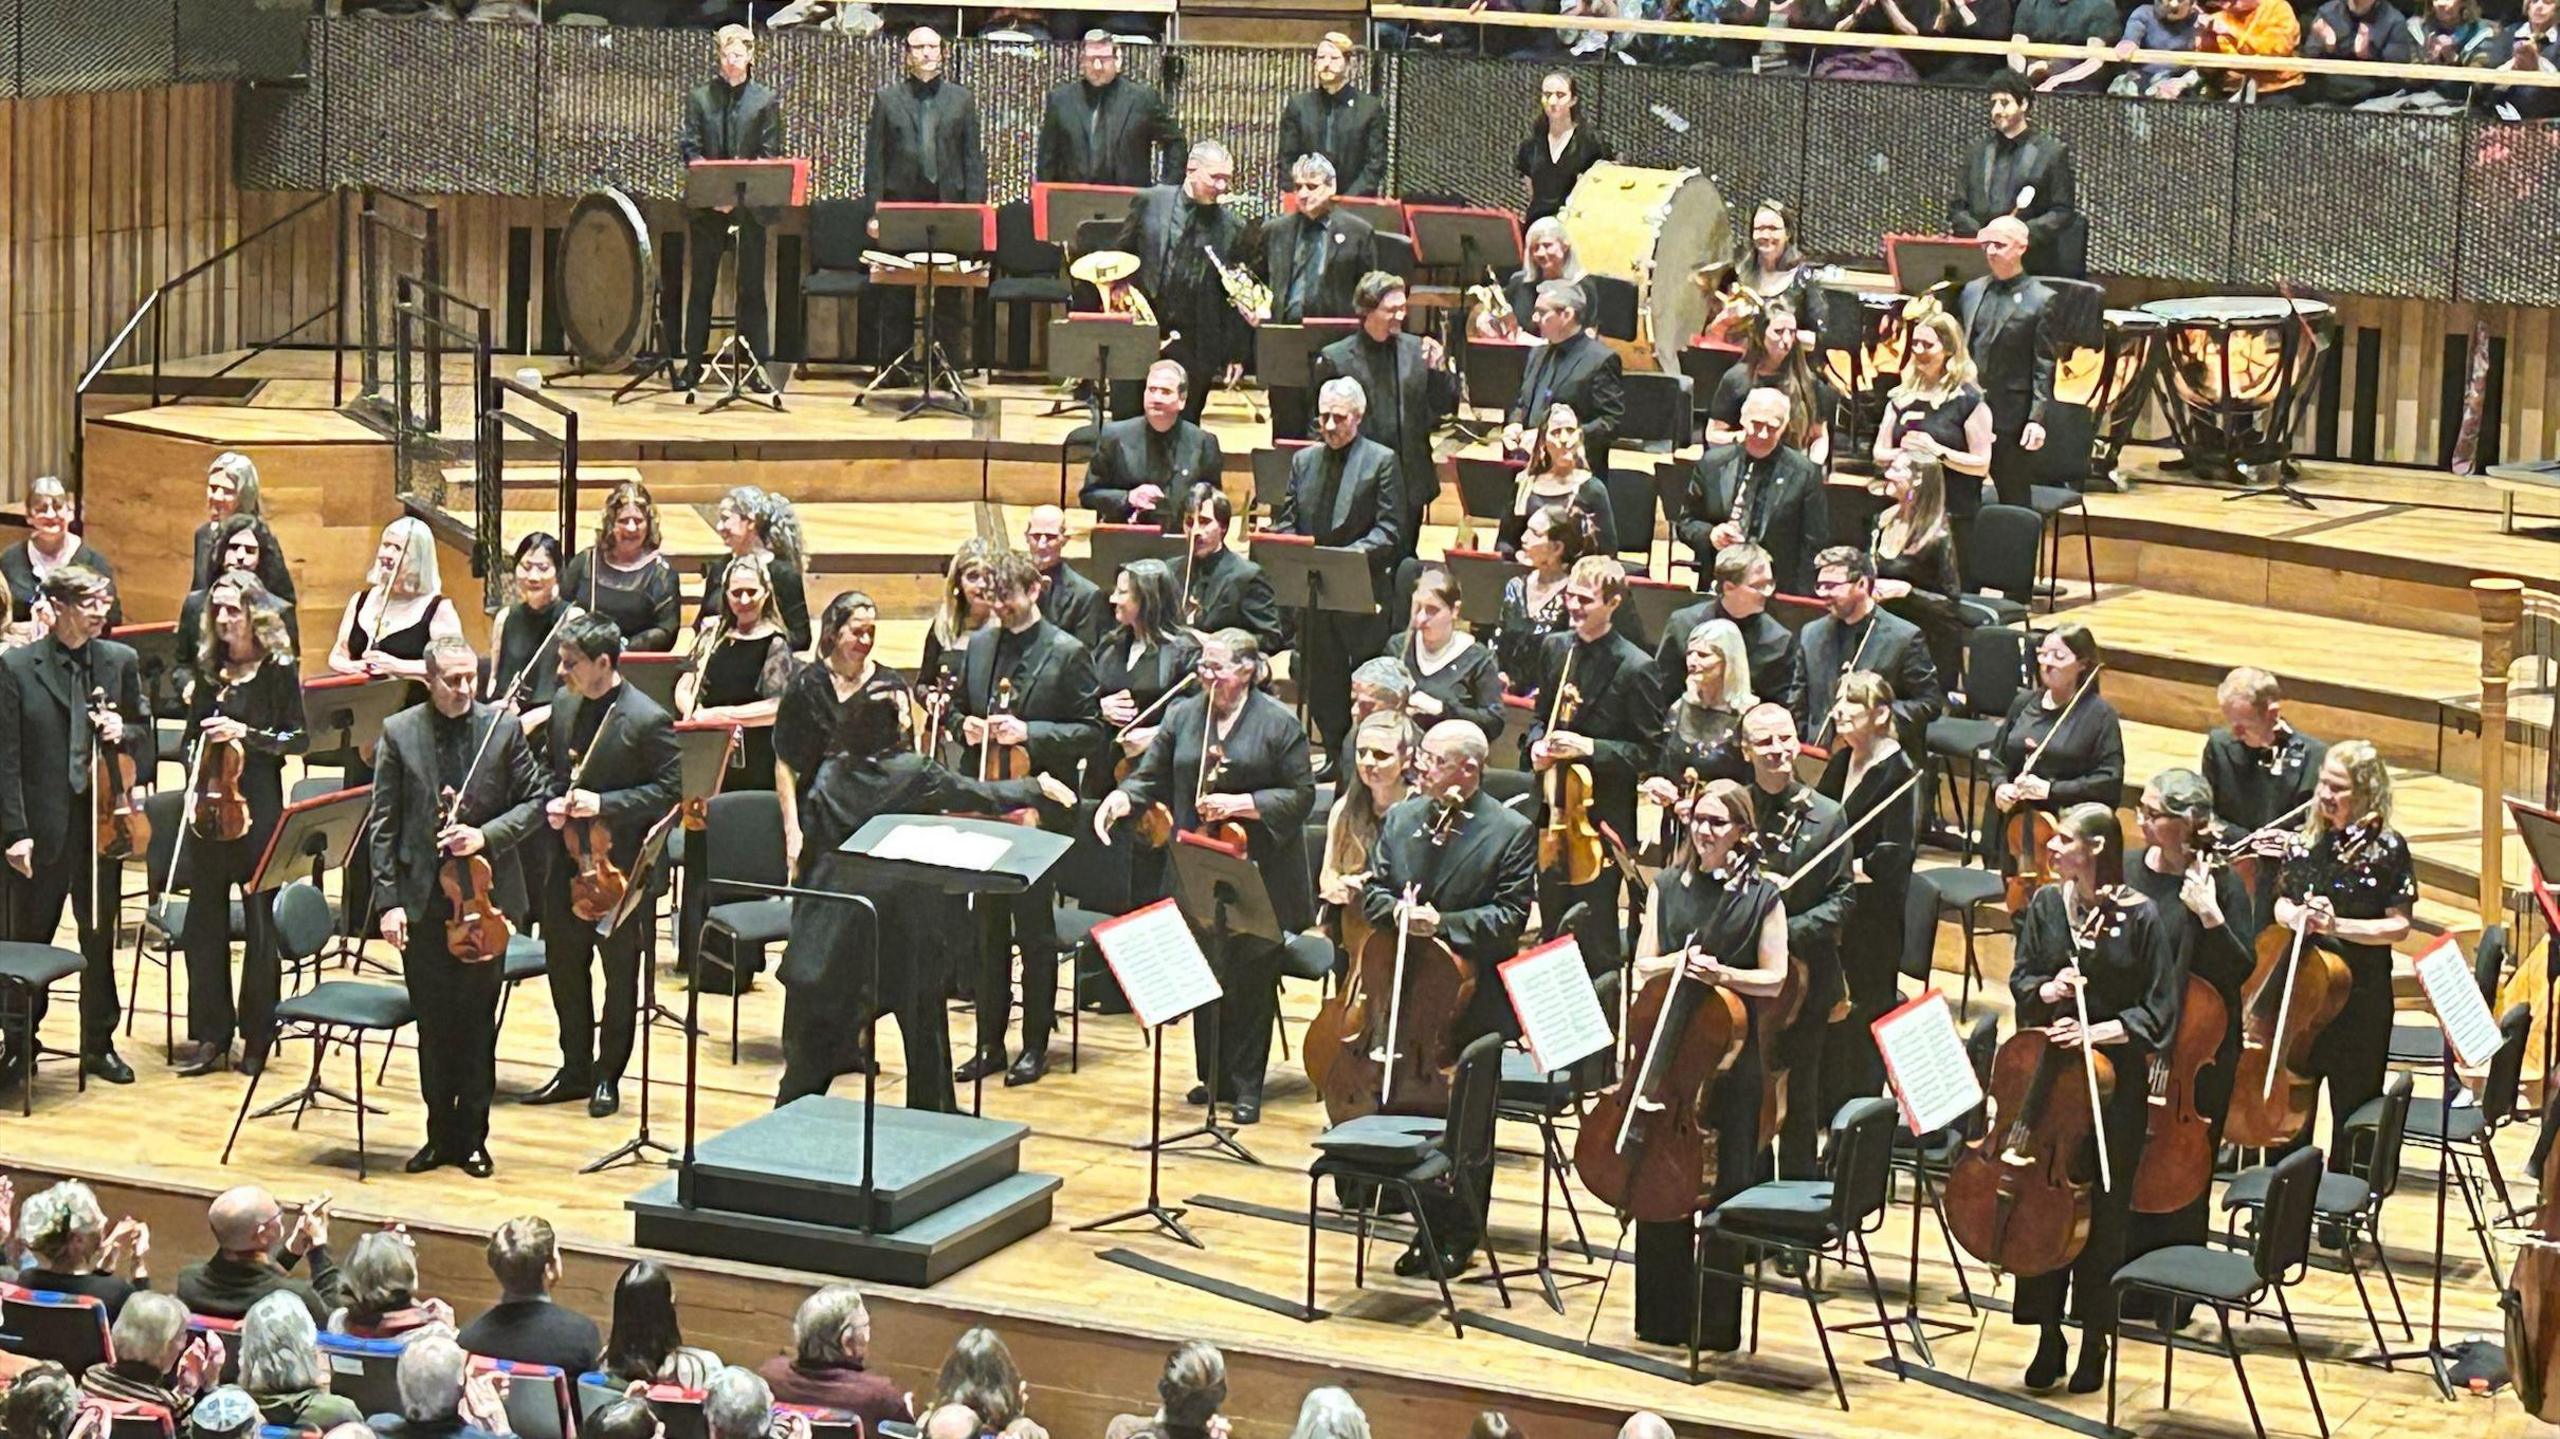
(1653, 229)
(2238, 372)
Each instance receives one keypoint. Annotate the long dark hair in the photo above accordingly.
(645, 1331)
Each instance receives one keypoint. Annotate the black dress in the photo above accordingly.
(2084, 759)
(1551, 176)
(18, 567)
(1943, 421)
(1702, 742)
(1936, 585)
(642, 603)
(742, 672)
(525, 649)
(1468, 685)
(1871, 936)
(1591, 495)
(1522, 629)
(2366, 876)
(1723, 918)
(408, 642)
(269, 702)
(1147, 677)
(790, 596)
(2222, 957)
(804, 725)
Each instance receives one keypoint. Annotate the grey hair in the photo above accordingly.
(418, 574)
(280, 1347)
(52, 1219)
(1725, 638)
(1462, 736)
(1313, 163)
(1330, 1412)
(777, 523)
(244, 475)
(817, 1330)
(1565, 293)
(430, 1374)
(1388, 673)
(147, 1324)
(382, 1270)
(443, 645)
(737, 1404)
(1203, 150)
(1342, 389)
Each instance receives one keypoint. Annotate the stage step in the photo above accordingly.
(923, 1253)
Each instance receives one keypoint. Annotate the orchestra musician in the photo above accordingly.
(1343, 493)
(1796, 825)
(1913, 548)
(1381, 683)
(1338, 120)
(1546, 253)
(1717, 917)
(1773, 358)
(240, 548)
(1316, 256)
(1470, 864)
(612, 758)
(1147, 655)
(1702, 735)
(966, 608)
(1744, 580)
(1173, 229)
(1067, 599)
(1867, 772)
(1556, 472)
(1143, 467)
(1453, 676)
(1938, 412)
(1571, 367)
(524, 666)
(1222, 589)
(385, 629)
(729, 117)
(872, 768)
(2350, 883)
(2082, 753)
(1103, 128)
(1559, 146)
(2014, 158)
(813, 703)
(624, 577)
(1772, 269)
(2089, 931)
(737, 675)
(453, 777)
(1262, 781)
(1760, 491)
(248, 693)
(51, 724)
(50, 545)
(2003, 314)
(1384, 750)
(1616, 727)
(1553, 539)
(231, 488)
(1053, 713)
(921, 144)
(2261, 768)
(1407, 388)
(1855, 633)
(752, 520)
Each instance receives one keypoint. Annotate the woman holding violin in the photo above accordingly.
(1557, 472)
(1146, 656)
(244, 718)
(1552, 539)
(738, 673)
(1701, 736)
(1714, 931)
(1870, 775)
(242, 544)
(524, 663)
(1453, 676)
(623, 577)
(2351, 888)
(2062, 744)
(813, 703)
(2091, 951)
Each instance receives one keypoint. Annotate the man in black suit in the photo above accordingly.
(2005, 165)
(1406, 387)
(921, 144)
(1740, 591)
(1616, 730)
(1054, 712)
(1573, 368)
(478, 752)
(2261, 769)
(1761, 491)
(52, 721)
(2003, 315)
(732, 117)
(1337, 120)
(1143, 466)
(1316, 255)
(1067, 599)
(1224, 589)
(1105, 129)
(1172, 229)
(526, 1325)
(612, 758)
(1795, 824)
(1343, 493)
(1854, 633)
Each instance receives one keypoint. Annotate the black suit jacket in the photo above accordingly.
(2005, 333)
(1123, 459)
(1423, 395)
(1586, 374)
(1348, 250)
(893, 145)
(632, 769)
(1054, 693)
(19, 569)
(1358, 147)
(1623, 702)
(2253, 787)
(1368, 503)
(535, 1331)
(504, 798)
(1134, 141)
(1075, 604)
(1789, 517)
(1818, 902)
(1148, 231)
(1482, 881)
(44, 723)
(1266, 757)
(1777, 659)
(1993, 179)
(1888, 645)
(721, 123)
(1234, 593)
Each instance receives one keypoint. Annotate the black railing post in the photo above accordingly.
(338, 340)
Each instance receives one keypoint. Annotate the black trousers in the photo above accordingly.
(1802, 1048)
(1231, 1037)
(1029, 921)
(706, 237)
(1676, 1268)
(214, 869)
(34, 904)
(570, 950)
(2352, 1053)
(2012, 465)
(2087, 1283)
(457, 1006)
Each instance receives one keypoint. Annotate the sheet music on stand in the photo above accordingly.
(1559, 1010)
(1933, 1080)
(2454, 994)
(1159, 963)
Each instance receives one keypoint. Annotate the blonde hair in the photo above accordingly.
(2368, 787)
(1725, 638)
(1958, 373)
(1351, 831)
(418, 573)
(2248, 685)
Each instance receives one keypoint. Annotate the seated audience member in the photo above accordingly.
(831, 1340)
(624, 1418)
(2093, 24)
(949, 1421)
(156, 1361)
(2528, 44)
(70, 1249)
(1329, 1412)
(524, 1325)
(647, 1344)
(440, 1398)
(1645, 1424)
(42, 1403)
(1193, 1385)
(2159, 25)
(225, 1413)
(254, 1247)
(2357, 30)
(2451, 32)
(737, 1405)
(2254, 27)
(281, 1367)
(381, 1279)
(979, 1375)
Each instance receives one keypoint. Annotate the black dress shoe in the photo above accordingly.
(477, 1164)
(2051, 1354)
(979, 1065)
(1244, 1112)
(253, 1062)
(1198, 1096)
(106, 1064)
(425, 1159)
(1028, 1069)
(606, 1099)
(1414, 1264)
(2090, 1374)
(563, 1088)
(207, 1059)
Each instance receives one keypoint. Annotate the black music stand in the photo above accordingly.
(635, 896)
(1308, 577)
(742, 185)
(1116, 546)
(1059, 212)
(1478, 247)
(319, 832)
(1919, 262)
(1494, 371)
(1271, 476)
(1100, 350)
(1167, 1218)
(1481, 576)
(352, 710)
(1284, 358)
(1221, 892)
(933, 231)
(1487, 489)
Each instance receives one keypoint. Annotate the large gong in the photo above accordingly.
(605, 281)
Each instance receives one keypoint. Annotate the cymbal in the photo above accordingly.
(1104, 267)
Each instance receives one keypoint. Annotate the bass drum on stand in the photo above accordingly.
(1652, 229)
(604, 282)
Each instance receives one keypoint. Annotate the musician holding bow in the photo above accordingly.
(452, 778)
(2061, 743)
(2262, 771)
(1612, 725)
(1853, 634)
(2350, 883)
(1798, 833)
(1221, 589)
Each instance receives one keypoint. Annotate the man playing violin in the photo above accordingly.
(2261, 770)
(1796, 826)
(452, 778)
(1614, 728)
(1456, 865)
(612, 761)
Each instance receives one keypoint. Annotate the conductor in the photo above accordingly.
(731, 117)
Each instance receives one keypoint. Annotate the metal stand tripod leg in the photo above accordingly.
(641, 1146)
(1166, 1219)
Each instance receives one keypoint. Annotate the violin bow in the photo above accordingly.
(2089, 1063)
(1874, 623)
(2301, 928)
(2087, 682)
(1846, 835)
(1149, 712)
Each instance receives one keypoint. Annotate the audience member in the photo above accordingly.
(42, 1403)
(1493, 1424)
(253, 1250)
(1645, 1424)
(647, 1343)
(2528, 44)
(440, 1398)
(2357, 30)
(225, 1413)
(624, 1418)
(156, 1361)
(1329, 1412)
(281, 1367)
(524, 1325)
(2159, 25)
(2090, 23)
(831, 1339)
(72, 1251)
(950, 1421)
(1193, 1385)
(381, 1279)
(737, 1405)
(2254, 27)
(980, 1375)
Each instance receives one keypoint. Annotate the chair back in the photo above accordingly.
(2000, 557)
(69, 1329)
(1019, 248)
(1475, 1092)
(1660, 415)
(1995, 669)
(1981, 1047)
(1630, 510)
(366, 1372)
(2284, 1221)
(229, 1331)
(839, 231)
(1920, 905)
(2381, 1166)
(594, 1390)
(162, 809)
(1613, 306)
(1861, 1162)
(2489, 961)
(538, 1402)
(825, 1423)
(742, 840)
(303, 928)
(2506, 1071)
(140, 1421)
(680, 1410)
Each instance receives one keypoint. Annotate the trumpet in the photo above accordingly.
(1250, 296)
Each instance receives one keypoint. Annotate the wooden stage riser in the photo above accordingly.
(2240, 571)
(2185, 700)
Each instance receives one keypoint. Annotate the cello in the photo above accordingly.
(2532, 1303)
(1386, 1043)
(1647, 1149)
(1569, 842)
(2026, 836)
(2177, 1149)
(2292, 993)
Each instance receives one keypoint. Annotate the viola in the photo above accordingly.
(116, 783)
(1387, 1042)
(2532, 1304)
(216, 809)
(2293, 992)
(476, 932)
(1648, 1148)
(1569, 842)
(2177, 1150)
(1229, 832)
(2026, 860)
(596, 883)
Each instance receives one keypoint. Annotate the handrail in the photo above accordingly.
(1953, 45)
(492, 506)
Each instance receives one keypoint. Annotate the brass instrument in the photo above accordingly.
(1490, 309)
(1114, 276)
(1249, 295)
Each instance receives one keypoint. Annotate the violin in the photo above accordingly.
(2019, 1196)
(2239, 853)
(1387, 1042)
(933, 710)
(1569, 842)
(115, 782)
(1213, 772)
(216, 809)
(2177, 1150)
(596, 884)
(2025, 836)
(1005, 761)
(2532, 1304)
(2293, 992)
(476, 932)
(1648, 1149)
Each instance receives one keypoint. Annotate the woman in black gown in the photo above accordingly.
(242, 545)
(1713, 921)
(1559, 147)
(2078, 749)
(1938, 413)
(249, 693)
(1146, 655)
(2351, 883)
(738, 674)
(1701, 735)
(1558, 471)
(524, 661)
(1868, 772)
(388, 623)
(2089, 931)
(755, 521)
(1453, 676)
(813, 703)
(1551, 539)
(623, 577)
(1914, 549)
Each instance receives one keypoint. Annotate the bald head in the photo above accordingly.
(241, 1219)
(950, 1421)
(2004, 246)
(1645, 1424)
(1045, 536)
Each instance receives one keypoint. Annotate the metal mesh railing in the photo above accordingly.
(54, 47)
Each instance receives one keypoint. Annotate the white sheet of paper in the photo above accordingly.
(1157, 959)
(1924, 1056)
(1559, 1011)
(950, 848)
(2454, 994)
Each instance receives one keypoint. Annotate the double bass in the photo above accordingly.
(1647, 1149)
(2532, 1303)
(1386, 1042)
